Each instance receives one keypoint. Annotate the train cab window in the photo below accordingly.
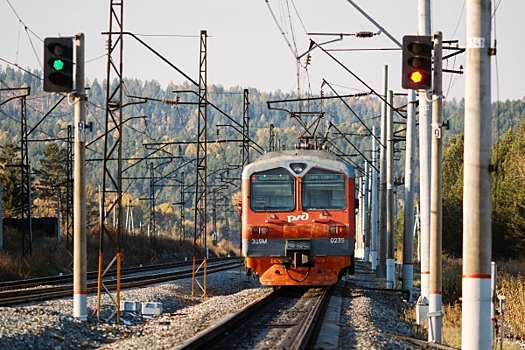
(272, 190)
(323, 189)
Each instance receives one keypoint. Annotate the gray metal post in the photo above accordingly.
(435, 291)
(375, 206)
(494, 293)
(408, 237)
(381, 259)
(425, 117)
(366, 212)
(79, 190)
(477, 201)
(359, 246)
(390, 212)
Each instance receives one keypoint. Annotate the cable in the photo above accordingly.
(22, 69)
(28, 36)
(19, 19)
(281, 30)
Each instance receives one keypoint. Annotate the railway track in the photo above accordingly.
(17, 292)
(288, 318)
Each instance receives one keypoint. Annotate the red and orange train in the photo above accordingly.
(298, 218)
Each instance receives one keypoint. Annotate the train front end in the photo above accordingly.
(298, 223)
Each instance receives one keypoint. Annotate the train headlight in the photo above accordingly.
(298, 167)
(260, 230)
(337, 230)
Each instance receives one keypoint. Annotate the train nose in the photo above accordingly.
(298, 253)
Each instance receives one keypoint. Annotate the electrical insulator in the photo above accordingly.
(308, 58)
(364, 34)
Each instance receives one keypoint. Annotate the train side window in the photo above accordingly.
(323, 189)
(272, 190)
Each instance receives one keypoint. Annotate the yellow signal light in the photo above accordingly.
(416, 77)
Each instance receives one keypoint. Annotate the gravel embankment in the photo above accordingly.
(365, 320)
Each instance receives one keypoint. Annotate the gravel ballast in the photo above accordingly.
(366, 317)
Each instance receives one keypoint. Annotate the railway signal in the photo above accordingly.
(58, 65)
(417, 62)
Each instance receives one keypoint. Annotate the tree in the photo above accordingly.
(453, 197)
(11, 178)
(508, 193)
(53, 175)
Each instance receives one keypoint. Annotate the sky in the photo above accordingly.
(253, 43)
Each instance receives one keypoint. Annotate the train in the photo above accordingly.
(298, 212)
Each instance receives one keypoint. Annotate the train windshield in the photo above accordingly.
(272, 190)
(323, 189)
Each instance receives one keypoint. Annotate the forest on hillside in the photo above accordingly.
(160, 130)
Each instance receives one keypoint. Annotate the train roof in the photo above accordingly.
(312, 158)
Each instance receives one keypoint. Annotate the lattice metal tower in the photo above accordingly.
(112, 180)
(199, 238)
(27, 235)
(69, 200)
(245, 130)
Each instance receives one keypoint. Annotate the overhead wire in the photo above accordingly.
(454, 79)
(286, 8)
(28, 31)
(27, 106)
(498, 125)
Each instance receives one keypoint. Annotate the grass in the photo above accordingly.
(50, 258)
(510, 282)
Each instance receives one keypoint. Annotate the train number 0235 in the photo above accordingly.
(259, 241)
(337, 240)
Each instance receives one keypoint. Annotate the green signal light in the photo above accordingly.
(58, 64)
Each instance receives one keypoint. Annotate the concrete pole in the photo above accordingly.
(425, 117)
(359, 248)
(390, 211)
(375, 205)
(79, 190)
(408, 237)
(493, 292)
(435, 292)
(381, 259)
(477, 201)
(366, 211)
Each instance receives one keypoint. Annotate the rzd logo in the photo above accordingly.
(303, 216)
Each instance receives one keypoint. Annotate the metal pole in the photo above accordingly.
(425, 117)
(390, 212)
(477, 201)
(375, 206)
(79, 190)
(366, 212)
(493, 292)
(359, 221)
(435, 309)
(381, 259)
(408, 237)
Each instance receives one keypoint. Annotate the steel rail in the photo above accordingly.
(211, 335)
(53, 280)
(46, 293)
(301, 335)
